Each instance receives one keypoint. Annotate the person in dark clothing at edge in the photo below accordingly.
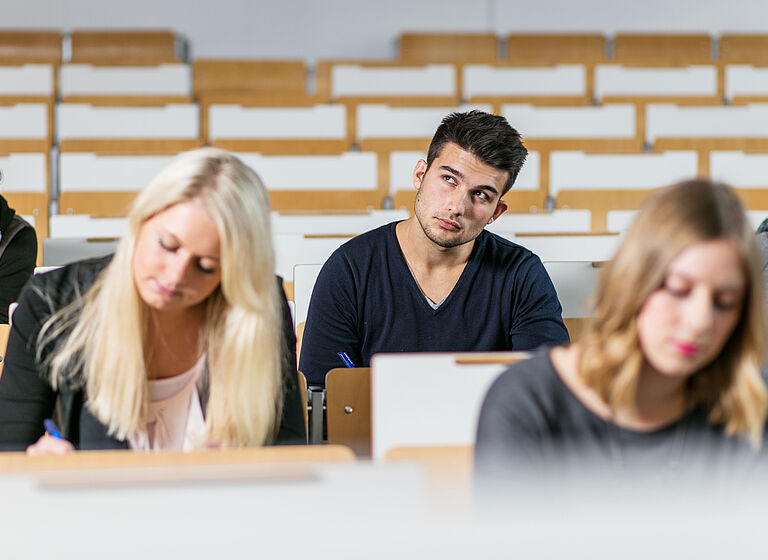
(18, 254)
(437, 281)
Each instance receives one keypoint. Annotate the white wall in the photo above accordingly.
(313, 29)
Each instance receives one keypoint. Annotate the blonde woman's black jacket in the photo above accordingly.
(26, 397)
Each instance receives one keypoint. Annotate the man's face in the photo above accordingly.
(457, 196)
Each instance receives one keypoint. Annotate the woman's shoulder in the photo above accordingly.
(64, 284)
(529, 386)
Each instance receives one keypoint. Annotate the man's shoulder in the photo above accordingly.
(495, 244)
(506, 254)
(363, 247)
(373, 239)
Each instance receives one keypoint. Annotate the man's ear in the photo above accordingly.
(501, 207)
(418, 173)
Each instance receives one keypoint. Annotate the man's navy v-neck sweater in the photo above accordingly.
(366, 301)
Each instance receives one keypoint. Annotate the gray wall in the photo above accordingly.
(313, 29)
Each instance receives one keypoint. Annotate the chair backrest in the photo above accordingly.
(555, 48)
(387, 80)
(697, 82)
(348, 408)
(64, 250)
(30, 80)
(448, 47)
(5, 330)
(346, 181)
(294, 248)
(167, 128)
(575, 283)
(430, 399)
(743, 48)
(30, 46)
(745, 83)
(333, 222)
(25, 127)
(303, 396)
(725, 123)
(123, 47)
(662, 48)
(490, 83)
(592, 247)
(312, 129)
(104, 184)
(603, 181)
(228, 76)
(304, 276)
(88, 82)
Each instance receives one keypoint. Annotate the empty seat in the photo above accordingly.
(603, 182)
(346, 181)
(504, 82)
(104, 185)
(237, 77)
(561, 221)
(610, 127)
(662, 48)
(87, 227)
(25, 127)
(27, 82)
(352, 83)
(333, 222)
(167, 128)
(386, 80)
(693, 83)
(124, 47)
(575, 283)
(315, 129)
(745, 83)
(166, 83)
(448, 47)
(707, 128)
(304, 276)
(292, 249)
(20, 47)
(588, 247)
(555, 48)
(24, 183)
(747, 172)
(744, 48)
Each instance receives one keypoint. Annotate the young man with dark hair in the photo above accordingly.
(437, 281)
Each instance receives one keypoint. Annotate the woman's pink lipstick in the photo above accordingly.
(686, 349)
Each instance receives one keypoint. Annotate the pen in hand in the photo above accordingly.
(51, 428)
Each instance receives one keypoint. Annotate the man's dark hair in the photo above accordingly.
(763, 227)
(487, 137)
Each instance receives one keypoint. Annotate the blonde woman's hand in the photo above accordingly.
(49, 445)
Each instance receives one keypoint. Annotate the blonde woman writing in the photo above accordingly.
(668, 373)
(181, 340)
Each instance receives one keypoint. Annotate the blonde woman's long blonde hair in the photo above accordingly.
(104, 331)
(670, 221)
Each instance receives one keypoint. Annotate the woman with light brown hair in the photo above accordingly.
(668, 368)
(180, 340)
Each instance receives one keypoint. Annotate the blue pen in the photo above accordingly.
(345, 358)
(51, 428)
